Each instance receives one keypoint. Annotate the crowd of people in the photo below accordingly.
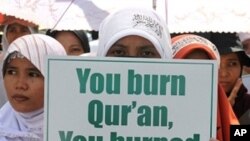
(142, 33)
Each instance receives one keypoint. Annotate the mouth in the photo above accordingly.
(20, 98)
(224, 82)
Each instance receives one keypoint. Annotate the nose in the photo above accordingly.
(223, 72)
(21, 83)
(132, 53)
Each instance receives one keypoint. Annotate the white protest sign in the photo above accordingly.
(130, 99)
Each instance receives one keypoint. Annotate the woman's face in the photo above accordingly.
(133, 46)
(24, 85)
(229, 71)
(70, 42)
(16, 30)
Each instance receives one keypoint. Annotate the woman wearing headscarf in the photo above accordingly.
(21, 118)
(190, 46)
(134, 32)
(12, 29)
(233, 58)
(75, 42)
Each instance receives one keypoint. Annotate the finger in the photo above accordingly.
(236, 88)
(234, 91)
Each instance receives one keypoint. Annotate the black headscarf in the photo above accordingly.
(230, 43)
(81, 34)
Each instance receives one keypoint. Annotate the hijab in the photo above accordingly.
(5, 45)
(16, 126)
(227, 43)
(183, 45)
(5, 42)
(80, 34)
(142, 22)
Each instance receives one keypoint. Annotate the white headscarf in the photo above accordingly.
(135, 21)
(5, 45)
(5, 42)
(16, 126)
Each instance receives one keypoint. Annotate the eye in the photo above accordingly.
(34, 73)
(148, 52)
(116, 51)
(75, 50)
(10, 71)
(233, 63)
